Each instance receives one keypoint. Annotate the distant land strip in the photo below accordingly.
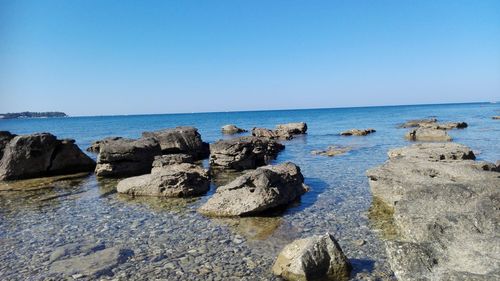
(29, 114)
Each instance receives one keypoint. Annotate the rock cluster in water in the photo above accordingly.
(39, 155)
(430, 130)
(446, 210)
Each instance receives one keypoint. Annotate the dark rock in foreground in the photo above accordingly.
(445, 209)
(185, 140)
(232, 129)
(243, 153)
(126, 157)
(42, 154)
(313, 258)
(427, 134)
(257, 191)
(357, 132)
(175, 180)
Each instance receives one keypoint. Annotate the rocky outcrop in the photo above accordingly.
(357, 132)
(185, 140)
(271, 134)
(495, 117)
(418, 123)
(175, 180)
(5, 138)
(445, 209)
(42, 154)
(257, 191)
(95, 146)
(171, 159)
(126, 157)
(332, 151)
(446, 126)
(243, 153)
(427, 134)
(232, 129)
(298, 128)
(313, 258)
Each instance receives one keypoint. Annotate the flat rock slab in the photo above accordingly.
(445, 210)
(257, 191)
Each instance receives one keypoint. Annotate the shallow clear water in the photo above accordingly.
(171, 241)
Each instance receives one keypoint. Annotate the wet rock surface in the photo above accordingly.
(445, 209)
(257, 191)
(243, 153)
(126, 157)
(184, 140)
(232, 129)
(427, 134)
(357, 132)
(174, 180)
(313, 258)
(41, 154)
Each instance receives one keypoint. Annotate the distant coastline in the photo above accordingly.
(29, 114)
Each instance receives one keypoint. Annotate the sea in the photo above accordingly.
(49, 224)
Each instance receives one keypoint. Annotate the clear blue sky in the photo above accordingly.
(125, 57)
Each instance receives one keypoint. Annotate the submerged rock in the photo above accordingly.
(257, 191)
(232, 129)
(357, 132)
(332, 151)
(445, 209)
(313, 258)
(41, 154)
(185, 140)
(126, 157)
(243, 153)
(427, 134)
(176, 180)
(418, 123)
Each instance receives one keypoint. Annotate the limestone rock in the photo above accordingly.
(418, 123)
(175, 180)
(95, 146)
(171, 159)
(298, 128)
(427, 134)
(313, 258)
(232, 129)
(126, 157)
(243, 153)
(185, 140)
(357, 132)
(446, 126)
(42, 154)
(257, 191)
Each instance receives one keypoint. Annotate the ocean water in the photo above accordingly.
(171, 241)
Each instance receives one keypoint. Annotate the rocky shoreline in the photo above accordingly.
(414, 185)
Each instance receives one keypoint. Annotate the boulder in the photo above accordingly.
(298, 128)
(446, 126)
(94, 147)
(270, 134)
(176, 180)
(171, 159)
(418, 123)
(126, 157)
(332, 151)
(185, 140)
(495, 117)
(445, 209)
(231, 130)
(5, 138)
(257, 191)
(42, 154)
(427, 134)
(313, 258)
(243, 153)
(357, 132)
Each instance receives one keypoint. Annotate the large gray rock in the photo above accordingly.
(95, 146)
(171, 159)
(5, 138)
(42, 154)
(231, 130)
(243, 153)
(357, 132)
(298, 128)
(418, 123)
(313, 258)
(185, 140)
(446, 212)
(427, 134)
(176, 180)
(126, 157)
(257, 191)
(271, 134)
